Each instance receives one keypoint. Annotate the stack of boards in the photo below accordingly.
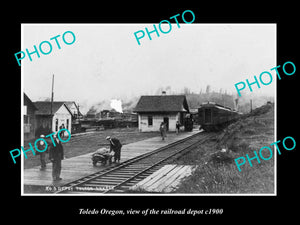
(164, 180)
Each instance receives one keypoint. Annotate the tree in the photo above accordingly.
(186, 91)
(208, 89)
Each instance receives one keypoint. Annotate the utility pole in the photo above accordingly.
(78, 116)
(250, 105)
(52, 93)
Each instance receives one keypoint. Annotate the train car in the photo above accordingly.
(188, 122)
(214, 117)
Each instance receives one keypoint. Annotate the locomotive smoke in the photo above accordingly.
(116, 105)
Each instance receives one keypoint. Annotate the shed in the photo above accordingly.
(154, 109)
(47, 122)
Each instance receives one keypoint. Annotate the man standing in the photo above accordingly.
(177, 127)
(115, 145)
(41, 146)
(163, 130)
(56, 154)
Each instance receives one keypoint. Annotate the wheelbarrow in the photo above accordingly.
(102, 155)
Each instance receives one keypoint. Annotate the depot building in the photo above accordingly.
(154, 109)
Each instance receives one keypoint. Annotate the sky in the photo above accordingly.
(105, 62)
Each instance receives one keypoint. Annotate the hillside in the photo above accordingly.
(217, 171)
(194, 101)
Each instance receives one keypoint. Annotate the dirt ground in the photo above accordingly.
(90, 142)
(217, 171)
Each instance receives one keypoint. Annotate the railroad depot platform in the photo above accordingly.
(80, 166)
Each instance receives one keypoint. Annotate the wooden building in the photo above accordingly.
(29, 110)
(47, 122)
(74, 109)
(152, 110)
(76, 116)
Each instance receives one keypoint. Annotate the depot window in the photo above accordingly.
(150, 120)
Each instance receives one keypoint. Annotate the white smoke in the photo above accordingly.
(116, 104)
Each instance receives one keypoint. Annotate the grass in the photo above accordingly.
(217, 171)
(225, 178)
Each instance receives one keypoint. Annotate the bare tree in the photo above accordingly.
(208, 89)
(186, 91)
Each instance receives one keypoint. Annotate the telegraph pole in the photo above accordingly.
(52, 93)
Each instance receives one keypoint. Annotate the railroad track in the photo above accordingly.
(120, 178)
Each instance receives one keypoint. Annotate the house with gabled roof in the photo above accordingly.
(76, 115)
(74, 109)
(29, 123)
(154, 109)
(48, 122)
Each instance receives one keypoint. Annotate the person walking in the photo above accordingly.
(163, 130)
(56, 154)
(115, 146)
(177, 127)
(41, 146)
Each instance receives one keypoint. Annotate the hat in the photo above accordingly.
(108, 137)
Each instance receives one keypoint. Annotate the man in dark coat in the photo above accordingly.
(177, 127)
(115, 146)
(41, 146)
(56, 154)
(163, 130)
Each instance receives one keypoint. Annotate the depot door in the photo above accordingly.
(207, 116)
(166, 121)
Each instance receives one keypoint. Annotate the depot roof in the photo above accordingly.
(162, 103)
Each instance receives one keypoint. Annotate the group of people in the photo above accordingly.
(56, 150)
(56, 154)
(163, 129)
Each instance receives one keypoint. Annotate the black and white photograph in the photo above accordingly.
(149, 113)
(171, 109)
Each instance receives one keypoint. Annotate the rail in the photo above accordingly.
(133, 170)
